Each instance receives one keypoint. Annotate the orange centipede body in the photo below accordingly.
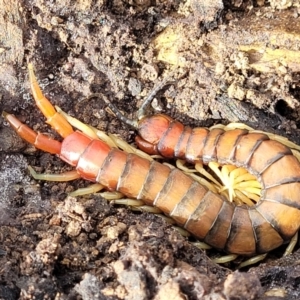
(208, 216)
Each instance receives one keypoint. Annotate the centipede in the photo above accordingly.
(236, 228)
(207, 215)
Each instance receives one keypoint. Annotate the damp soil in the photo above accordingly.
(223, 61)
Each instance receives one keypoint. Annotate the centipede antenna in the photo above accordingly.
(142, 111)
(115, 110)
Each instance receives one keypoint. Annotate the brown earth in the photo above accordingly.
(227, 61)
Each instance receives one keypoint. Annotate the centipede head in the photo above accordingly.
(151, 130)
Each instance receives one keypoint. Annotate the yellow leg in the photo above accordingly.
(91, 189)
(109, 139)
(66, 176)
(252, 260)
(225, 259)
(201, 245)
(78, 124)
(136, 205)
(111, 195)
(289, 249)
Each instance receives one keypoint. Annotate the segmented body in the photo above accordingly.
(236, 229)
(221, 224)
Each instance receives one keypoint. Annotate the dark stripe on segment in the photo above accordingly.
(195, 144)
(245, 148)
(112, 169)
(152, 128)
(157, 177)
(266, 154)
(283, 181)
(173, 191)
(86, 167)
(188, 203)
(271, 161)
(267, 238)
(203, 218)
(209, 150)
(219, 232)
(73, 146)
(134, 175)
(241, 239)
(169, 140)
(227, 144)
(251, 152)
(284, 170)
(284, 219)
(181, 146)
(286, 193)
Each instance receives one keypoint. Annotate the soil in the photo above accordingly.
(224, 61)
